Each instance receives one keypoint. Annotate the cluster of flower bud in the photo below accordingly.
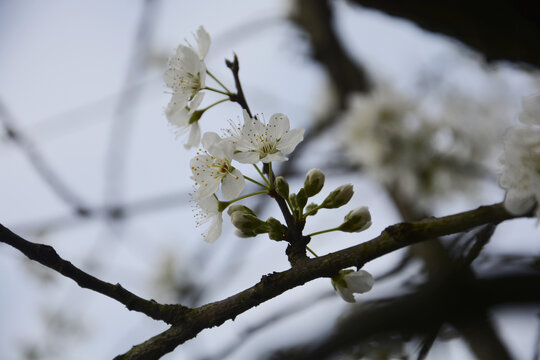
(249, 225)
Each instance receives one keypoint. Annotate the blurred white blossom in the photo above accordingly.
(531, 110)
(520, 175)
(420, 153)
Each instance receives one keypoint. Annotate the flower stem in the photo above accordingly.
(255, 182)
(311, 251)
(270, 175)
(323, 231)
(219, 82)
(262, 175)
(216, 90)
(305, 215)
(214, 104)
(249, 195)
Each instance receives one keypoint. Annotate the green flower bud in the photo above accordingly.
(282, 188)
(314, 182)
(356, 220)
(301, 199)
(240, 208)
(242, 234)
(248, 224)
(338, 197)
(311, 209)
(276, 230)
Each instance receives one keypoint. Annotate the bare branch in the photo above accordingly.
(46, 255)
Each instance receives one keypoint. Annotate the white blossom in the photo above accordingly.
(256, 141)
(208, 211)
(419, 152)
(349, 282)
(521, 169)
(186, 76)
(530, 114)
(180, 112)
(212, 167)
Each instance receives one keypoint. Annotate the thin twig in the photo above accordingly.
(239, 97)
(43, 168)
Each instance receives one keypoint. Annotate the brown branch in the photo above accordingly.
(487, 27)
(46, 255)
(392, 238)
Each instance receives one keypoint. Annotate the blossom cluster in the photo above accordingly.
(254, 141)
(215, 166)
(520, 175)
(419, 152)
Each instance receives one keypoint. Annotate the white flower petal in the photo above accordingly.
(208, 205)
(207, 189)
(194, 136)
(209, 139)
(248, 157)
(290, 140)
(222, 150)
(345, 294)
(278, 125)
(197, 99)
(214, 231)
(359, 281)
(274, 157)
(233, 184)
(203, 42)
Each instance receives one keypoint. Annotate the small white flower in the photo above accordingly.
(521, 169)
(208, 211)
(186, 76)
(257, 141)
(349, 282)
(186, 73)
(212, 167)
(531, 110)
(179, 113)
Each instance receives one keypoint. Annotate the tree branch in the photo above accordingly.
(46, 255)
(392, 238)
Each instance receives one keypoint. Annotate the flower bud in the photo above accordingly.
(314, 182)
(248, 224)
(338, 197)
(350, 282)
(282, 188)
(240, 208)
(276, 230)
(356, 220)
(301, 199)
